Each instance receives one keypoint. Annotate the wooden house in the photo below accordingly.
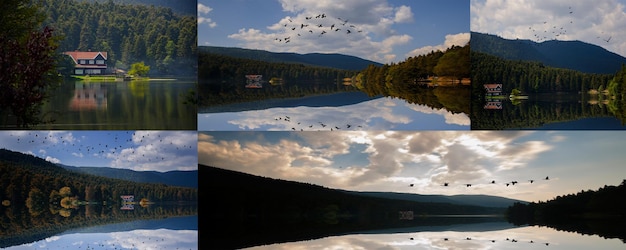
(88, 62)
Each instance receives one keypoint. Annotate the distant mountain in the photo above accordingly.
(473, 200)
(170, 178)
(338, 61)
(575, 55)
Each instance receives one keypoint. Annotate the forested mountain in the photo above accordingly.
(26, 179)
(574, 55)
(158, 36)
(473, 200)
(170, 178)
(337, 61)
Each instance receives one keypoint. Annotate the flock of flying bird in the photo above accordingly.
(512, 183)
(493, 241)
(157, 142)
(320, 126)
(549, 31)
(319, 25)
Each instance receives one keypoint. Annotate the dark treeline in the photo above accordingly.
(161, 38)
(601, 211)
(530, 77)
(222, 80)
(36, 183)
(225, 68)
(262, 205)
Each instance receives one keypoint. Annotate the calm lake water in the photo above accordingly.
(173, 232)
(343, 111)
(493, 235)
(154, 104)
(547, 112)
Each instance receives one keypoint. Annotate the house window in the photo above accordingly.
(90, 61)
(82, 61)
(99, 61)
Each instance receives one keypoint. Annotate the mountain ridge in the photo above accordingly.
(575, 55)
(330, 60)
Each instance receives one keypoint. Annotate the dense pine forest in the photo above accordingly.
(163, 39)
(531, 77)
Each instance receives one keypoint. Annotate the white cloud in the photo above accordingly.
(52, 159)
(460, 39)
(158, 151)
(394, 159)
(404, 14)
(537, 20)
(370, 24)
(204, 10)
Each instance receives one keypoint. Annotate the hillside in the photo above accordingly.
(170, 178)
(473, 200)
(25, 176)
(337, 61)
(574, 55)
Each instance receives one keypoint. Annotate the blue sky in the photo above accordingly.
(391, 30)
(600, 22)
(391, 161)
(137, 150)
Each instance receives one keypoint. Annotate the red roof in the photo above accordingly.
(76, 55)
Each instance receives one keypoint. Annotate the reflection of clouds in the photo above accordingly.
(451, 118)
(355, 115)
(436, 238)
(377, 114)
(155, 239)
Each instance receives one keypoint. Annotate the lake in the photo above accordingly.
(96, 227)
(482, 235)
(547, 112)
(153, 104)
(352, 110)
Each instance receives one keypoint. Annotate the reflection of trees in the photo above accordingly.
(41, 199)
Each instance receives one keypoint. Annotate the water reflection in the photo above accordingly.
(382, 113)
(135, 239)
(550, 112)
(121, 105)
(475, 236)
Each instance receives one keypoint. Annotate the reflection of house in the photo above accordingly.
(493, 105)
(88, 62)
(89, 97)
(254, 81)
(128, 198)
(493, 89)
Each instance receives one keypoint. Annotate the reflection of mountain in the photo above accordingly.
(172, 178)
(338, 61)
(576, 55)
(327, 100)
(250, 210)
(172, 223)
